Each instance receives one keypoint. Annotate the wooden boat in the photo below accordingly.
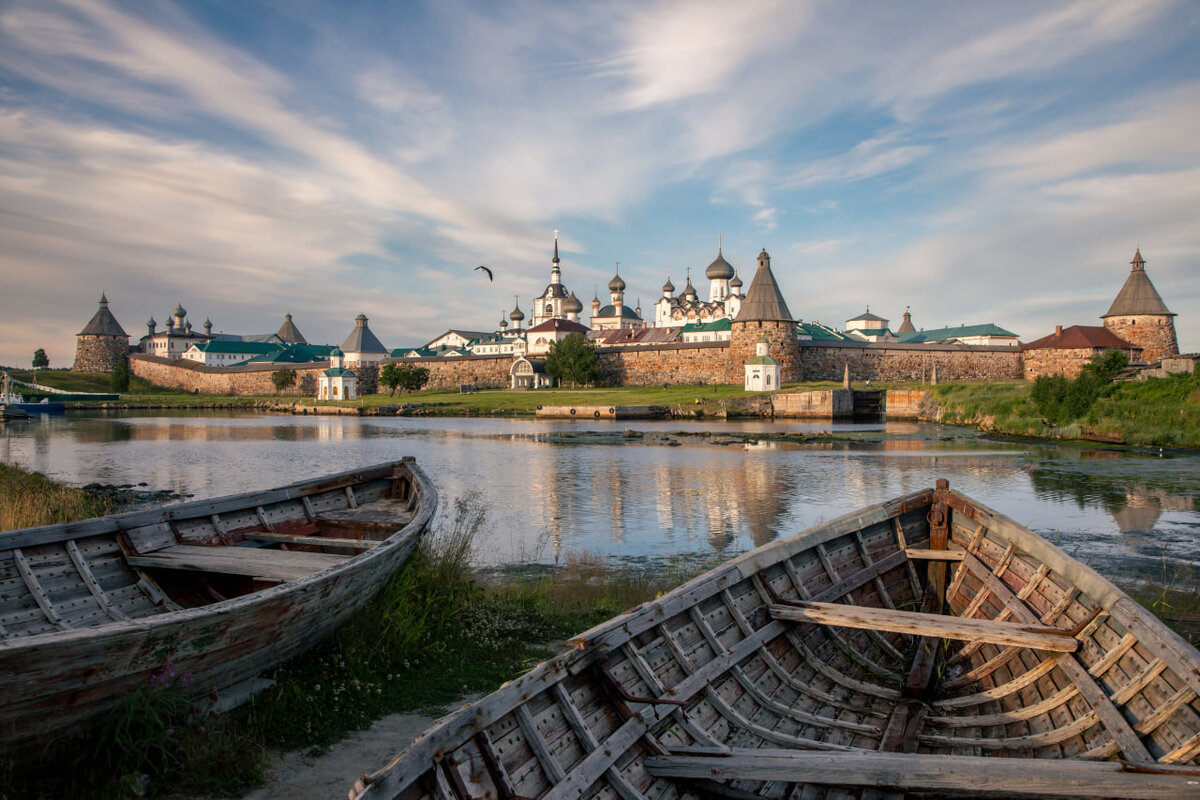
(218, 590)
(927, 646)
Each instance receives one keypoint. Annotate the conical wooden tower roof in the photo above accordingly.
(763, 300)
(1138, 296)
(103, 323)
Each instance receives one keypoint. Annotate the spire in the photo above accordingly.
(763, 300)
(555, 259)
(1138, 262)
(103, 299)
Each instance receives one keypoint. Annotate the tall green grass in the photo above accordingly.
(29, 499)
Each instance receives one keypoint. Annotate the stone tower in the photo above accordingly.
(1139, 316)
(764, 313)
(102, 344)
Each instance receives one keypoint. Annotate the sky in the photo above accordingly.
(975, 162)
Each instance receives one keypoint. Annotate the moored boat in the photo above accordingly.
(926, 646)
(218, 590)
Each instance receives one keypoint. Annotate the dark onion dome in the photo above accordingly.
(179, 311)
(720, 269)
(611, 311)
(736, 283)
(689, 290)
(617, 284)
(517, 314)
(572, 305)
(152, 323)
(668, 287)
(554, 290)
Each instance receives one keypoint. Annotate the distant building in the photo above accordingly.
(868, 327)
(724, 297)
(1139, 315)
(102, 344)
(361, 346)
(176, 339)
(988, 334)
(616, 314)
(1066, 351)
(551, 303)
(288, 333)
(225, 353)
(539, 338)
(762, 371)
(337, 382)
(529, 373)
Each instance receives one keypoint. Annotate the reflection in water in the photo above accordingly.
(551, 491)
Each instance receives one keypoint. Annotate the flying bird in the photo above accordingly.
(485, 269)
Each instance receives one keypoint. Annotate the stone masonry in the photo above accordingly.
(99, 353)
(1155, 334)
(191, 376)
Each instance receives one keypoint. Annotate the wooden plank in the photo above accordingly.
(935, 555)
(1037, 637)
(35, 589)
(350, 498)
(1120, 729)
(262, 516)
(259, 563)
(1007, 717)
(537, 744)
(309, 512)
(1165, 711)
(1003, 690)
(89, 580)
(320, 541)
(974, 775)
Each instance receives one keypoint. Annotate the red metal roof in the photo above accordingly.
(1080, 336)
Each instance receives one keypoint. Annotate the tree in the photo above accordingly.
(119, 379)
(39, 359)
(573, 359)
(283, 378)
(389, 376)
(409, 377)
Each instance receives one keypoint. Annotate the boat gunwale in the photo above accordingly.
(142, 626)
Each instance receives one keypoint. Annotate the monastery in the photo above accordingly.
(731, 337)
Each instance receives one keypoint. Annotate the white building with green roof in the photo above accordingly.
(762, 372)
(226, 354)
(337, 382)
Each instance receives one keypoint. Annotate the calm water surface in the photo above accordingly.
(558, 488)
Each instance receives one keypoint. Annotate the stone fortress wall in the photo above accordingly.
(690, 363)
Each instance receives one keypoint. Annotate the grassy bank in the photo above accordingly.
(31, 499)
(436, 632)
(1159, 412)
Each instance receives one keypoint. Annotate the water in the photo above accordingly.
(557, 488)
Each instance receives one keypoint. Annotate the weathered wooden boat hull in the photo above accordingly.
(924, 646)
(86, 616)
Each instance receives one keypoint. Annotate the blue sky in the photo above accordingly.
(978, 162)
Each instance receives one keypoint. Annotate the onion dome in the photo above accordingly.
(617, 284)
(719, 269)
(689, 290)
(668, 287)
(572, 305)
(736, 283)
(152, 323)
(517, 314)
(179, 311)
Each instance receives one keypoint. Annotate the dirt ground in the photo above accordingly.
(295, 776)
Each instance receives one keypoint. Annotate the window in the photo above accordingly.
(335, 388)
(768, 379)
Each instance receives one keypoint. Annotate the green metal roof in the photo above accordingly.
(767, 360)
(822, 333)
(235, 348)
(295, 354)
(339, 372)
(941, 334)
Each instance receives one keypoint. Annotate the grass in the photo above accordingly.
(29, 499)
(436, 632)
(1158, 412)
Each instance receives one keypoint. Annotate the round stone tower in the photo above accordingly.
(1140, 317)
(102, 344)
(764, 313)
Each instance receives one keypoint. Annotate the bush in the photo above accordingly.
(1062, 401)
(119, 379)
(283, 379)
